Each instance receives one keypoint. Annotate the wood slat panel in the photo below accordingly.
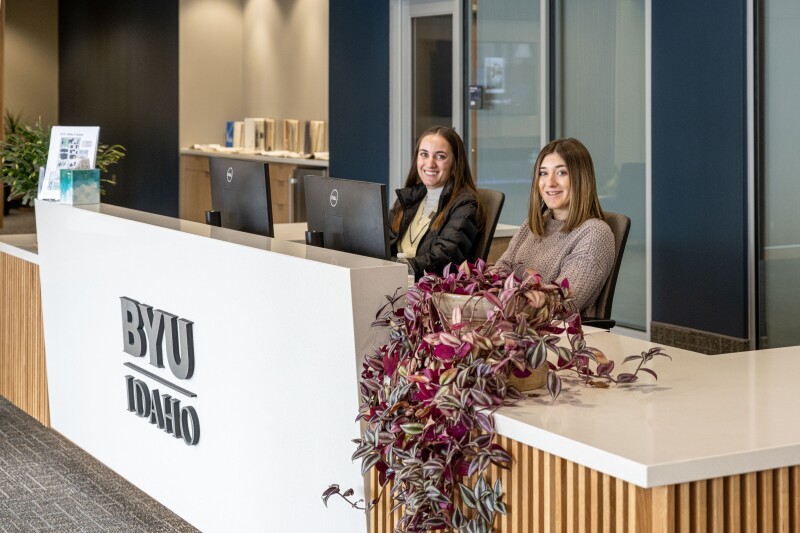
(609, 498)
(663, 509)
(640, 510)
(782, 500)
(716, 505)
(545, 493)
(794, 498)
(733, 497)
(683, 515)
(23, 371)
(595, 503)
(571, 496)
(766, 502)
(699, 506)
(584, 499)
(749, 503)
(529, 502)
(538, 503)
(621, 500)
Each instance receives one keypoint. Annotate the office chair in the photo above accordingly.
(492, 205)
(620, 227)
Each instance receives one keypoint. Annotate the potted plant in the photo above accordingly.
(24, 150)
(455, 344)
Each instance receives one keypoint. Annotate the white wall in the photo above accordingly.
(210, 58)
(30, 77)
(255, 58)
(286, 58)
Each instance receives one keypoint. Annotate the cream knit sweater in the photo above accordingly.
(585, 256)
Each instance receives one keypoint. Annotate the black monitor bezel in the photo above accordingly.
(259, 200)
(375, 237)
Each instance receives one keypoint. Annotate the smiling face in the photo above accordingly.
(434, 161)
(553, 180)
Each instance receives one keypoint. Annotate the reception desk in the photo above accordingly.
(248, 345)
(713, 445)
(275, 331)
(23, 373)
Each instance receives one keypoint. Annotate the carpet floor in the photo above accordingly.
(47, 484)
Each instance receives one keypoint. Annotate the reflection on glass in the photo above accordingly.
(780, 268)
(601, 101)
(504, 133)
(432, 71)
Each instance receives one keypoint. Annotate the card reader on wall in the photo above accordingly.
(476, 96)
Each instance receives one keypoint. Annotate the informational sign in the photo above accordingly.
(71, 147)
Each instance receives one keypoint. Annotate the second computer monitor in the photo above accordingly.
(351, 215)
(240, 192)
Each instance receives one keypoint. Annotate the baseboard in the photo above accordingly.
(696, 340)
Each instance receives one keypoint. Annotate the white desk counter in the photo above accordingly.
(705, 417)
(271, 317)
(275, 331)
(713, 445)
(296, 231)
(249, 156)
(22, 246)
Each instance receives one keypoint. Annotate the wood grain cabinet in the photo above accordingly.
(23, 372)
(195, 184)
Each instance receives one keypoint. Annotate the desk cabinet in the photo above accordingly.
(23, 375)
(544, 492)
(195, 186)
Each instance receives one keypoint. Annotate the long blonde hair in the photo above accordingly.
(583, 201)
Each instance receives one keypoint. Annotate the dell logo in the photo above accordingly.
(229, 174)
(334, 197)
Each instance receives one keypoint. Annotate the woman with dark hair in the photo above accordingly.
(437, 216)
(565, 235)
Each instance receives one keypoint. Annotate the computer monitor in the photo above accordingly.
(240, 192)
(351, 215)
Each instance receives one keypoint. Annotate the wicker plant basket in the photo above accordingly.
(473, 310)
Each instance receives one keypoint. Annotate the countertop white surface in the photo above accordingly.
(20, 245)
(706, 416)
(505, 230)
(267, 317)
(281, 244)
(258, 157)
(297, 231)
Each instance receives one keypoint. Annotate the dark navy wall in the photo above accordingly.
(118, 68)
(699, 194)
(358, 93)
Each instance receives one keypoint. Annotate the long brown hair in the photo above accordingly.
(583, 201)
(460, 175)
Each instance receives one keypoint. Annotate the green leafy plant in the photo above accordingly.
(24, 150)
(428, 395)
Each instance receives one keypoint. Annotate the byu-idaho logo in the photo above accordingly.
(145, 329)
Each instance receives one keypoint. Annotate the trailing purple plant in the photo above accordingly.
(455, 344)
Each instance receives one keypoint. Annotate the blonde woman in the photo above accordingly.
(565, 235)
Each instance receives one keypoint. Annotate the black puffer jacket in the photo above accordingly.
(454, 242)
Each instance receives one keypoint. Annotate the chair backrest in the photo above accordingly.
(620, 227)
(492, 202)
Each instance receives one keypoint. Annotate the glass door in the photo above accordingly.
(779, 266)
(505, 73)
(426, 74)
(431, 72)
(600, 98)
